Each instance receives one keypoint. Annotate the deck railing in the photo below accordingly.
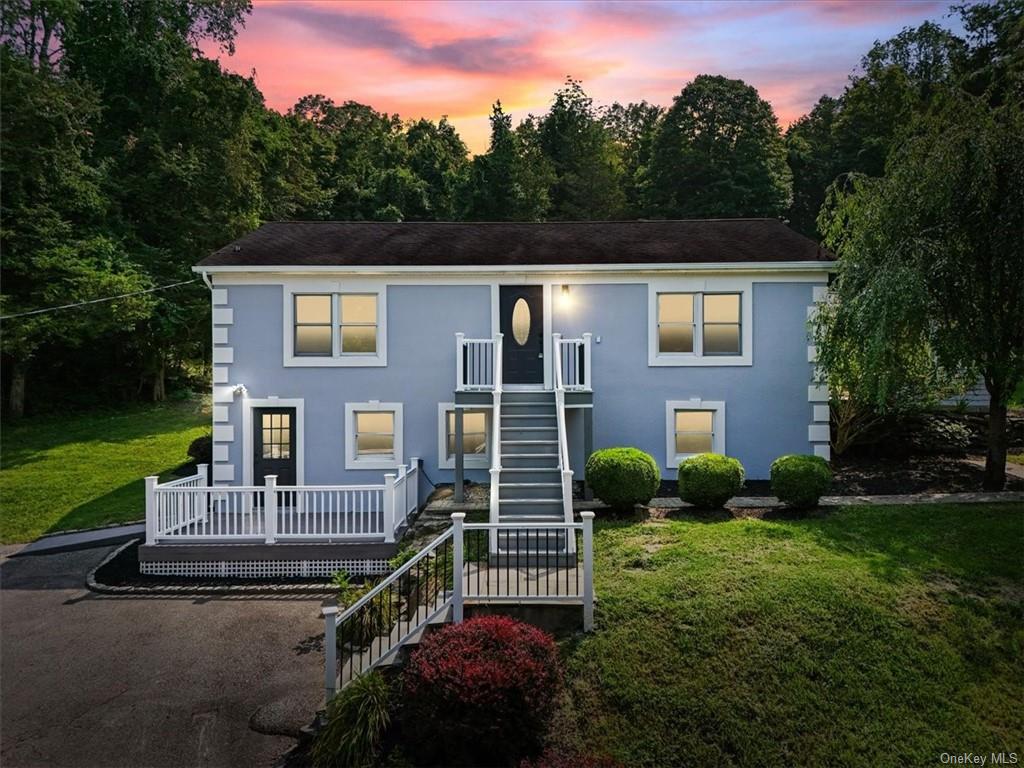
(477, 363)
(190, 509)
(572, 360)
(545, 563)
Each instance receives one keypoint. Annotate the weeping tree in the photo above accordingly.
(932, 260)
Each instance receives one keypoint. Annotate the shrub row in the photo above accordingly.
(624, 477)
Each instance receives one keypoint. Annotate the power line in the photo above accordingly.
(97, 301)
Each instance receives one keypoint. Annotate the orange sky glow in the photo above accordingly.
(428, 59)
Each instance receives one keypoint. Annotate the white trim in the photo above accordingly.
(299, 405)
(223, 316)
(221, 374)
(220, 453)
(745, 287)
(220, 334)
(704, 266)
(824, 450)
(223, 355)
(219, 296)
(334, 288)
(224, 472)
(817, 393)
(818, 433)
(819, 293)
(821, 413)
(220, 413)
(223, 433)
(224, 394)
(473, 460)
(351, 462)
(672, 459)
(812, 353)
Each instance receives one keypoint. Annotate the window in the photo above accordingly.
(475, 437)
(359, 324)
(721, 332)
(675, 323)
(693, 426)
(276, 437)
(707, 326)
(313, 324)
(335, 324)
(373, 435)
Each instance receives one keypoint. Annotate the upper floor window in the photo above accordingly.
(358, 324)
(708, 327)
(332, 327)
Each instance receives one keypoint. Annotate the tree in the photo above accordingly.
(587, 168)
(511, 181)
(53, 215)
(632, 128)
(811, 151)
(719, 152)
(932, 254)
(439, 158)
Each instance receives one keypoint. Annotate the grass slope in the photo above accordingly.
(871, 636)
(80, 471)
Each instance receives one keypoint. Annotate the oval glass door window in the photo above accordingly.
(521, 321)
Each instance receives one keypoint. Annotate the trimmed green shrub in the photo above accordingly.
(623, 477)
(709, 479)
(356, 721)
(200, 450)
(800, 480)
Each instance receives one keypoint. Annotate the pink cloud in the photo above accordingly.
(433, 58)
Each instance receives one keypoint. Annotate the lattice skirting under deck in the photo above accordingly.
(265, 568)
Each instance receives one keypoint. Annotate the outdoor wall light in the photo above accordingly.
(239, 389)
(566, 300)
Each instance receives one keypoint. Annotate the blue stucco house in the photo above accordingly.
(356, 363)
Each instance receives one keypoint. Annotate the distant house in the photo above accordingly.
(351, 355)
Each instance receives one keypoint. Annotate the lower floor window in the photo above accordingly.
(475, 442)
(692, 427)
(373, 435)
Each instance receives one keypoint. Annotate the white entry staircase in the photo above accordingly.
(530, 488)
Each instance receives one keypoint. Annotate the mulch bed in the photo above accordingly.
(861, 475)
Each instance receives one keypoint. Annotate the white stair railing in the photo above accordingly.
(563, 440)
(477, 363)
(572, 359)
(495, 512)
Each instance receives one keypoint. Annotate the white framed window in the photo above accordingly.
(476, 437)
(691, 427)
(373, 435)
(335, 324)
(694, 322)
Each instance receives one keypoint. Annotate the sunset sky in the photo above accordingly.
(427, 59)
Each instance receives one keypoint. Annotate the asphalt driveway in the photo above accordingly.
(103, 682)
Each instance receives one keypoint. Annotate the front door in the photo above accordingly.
(522, 323)
(274, 445)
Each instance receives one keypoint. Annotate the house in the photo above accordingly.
(356, 363)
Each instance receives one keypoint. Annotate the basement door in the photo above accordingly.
(273, 445)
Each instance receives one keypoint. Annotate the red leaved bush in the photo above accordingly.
(481, 692)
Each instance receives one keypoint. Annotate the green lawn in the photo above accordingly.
(870, 636)
(1016, 458)
(80, 471)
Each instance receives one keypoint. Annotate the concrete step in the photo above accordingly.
(548, 506)
(529, 490)
(528, 433)
(515, 420)
(531, 475)
(529, 460)
(509, 447)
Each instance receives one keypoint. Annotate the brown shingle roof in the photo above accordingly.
(389, 244)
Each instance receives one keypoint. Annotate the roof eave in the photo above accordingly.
(711, 266)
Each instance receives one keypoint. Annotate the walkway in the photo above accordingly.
(90, 680)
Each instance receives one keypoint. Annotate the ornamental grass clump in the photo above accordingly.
(709, 480)
(480, 692)
(356, 720)
(623, 477)
(800, 480)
